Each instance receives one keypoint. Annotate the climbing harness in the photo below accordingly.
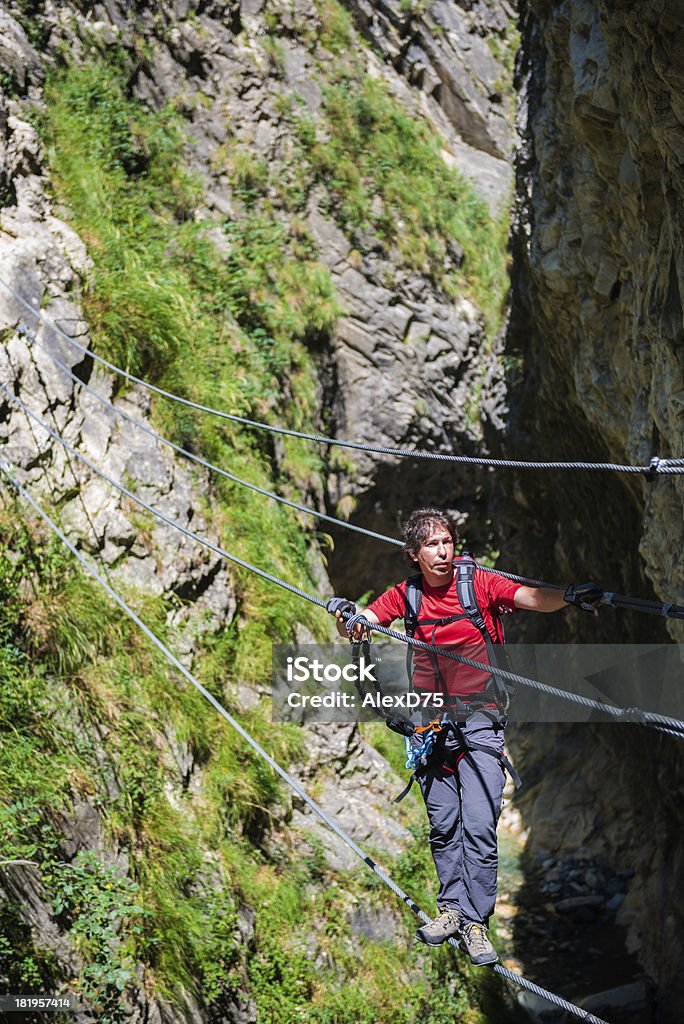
(662, 723)
(420, 756)
(427, 754)
(424, 742)
(504, 972)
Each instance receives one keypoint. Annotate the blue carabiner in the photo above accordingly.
(416, 756)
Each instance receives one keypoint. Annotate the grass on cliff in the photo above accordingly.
(383, 172)
(91, 714)
(226, 331)
(88, 713)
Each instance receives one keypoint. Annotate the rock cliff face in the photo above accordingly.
(403, 362)
(405, 366)
(594, 351)
(598, 296)
(45, 262)
(452, 54)
(596, 344)
(442, 49)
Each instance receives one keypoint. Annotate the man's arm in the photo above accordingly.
(539, 599)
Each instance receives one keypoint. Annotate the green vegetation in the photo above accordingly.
(99, 904)
(503, 47)
(383, 172)
(85, 714)
(89, 712)
(158, 281)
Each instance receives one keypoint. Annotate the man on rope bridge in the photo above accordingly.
(458, 757)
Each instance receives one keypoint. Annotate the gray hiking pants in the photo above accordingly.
(463, 806)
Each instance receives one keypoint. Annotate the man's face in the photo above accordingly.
(435, 555)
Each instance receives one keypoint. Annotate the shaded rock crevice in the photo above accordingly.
(595, 359)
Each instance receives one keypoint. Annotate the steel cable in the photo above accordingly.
(197, 458)
(648, 718)
(656, 466)
(673, 611)
(160, 515)
(515, 979)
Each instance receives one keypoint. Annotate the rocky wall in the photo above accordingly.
(45, 263)
(405, 367)
(403, 361)
(596, 347)
(597, 317)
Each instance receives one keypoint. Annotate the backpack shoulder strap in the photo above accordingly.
(465, 584)
(412, 602)
(465, 588)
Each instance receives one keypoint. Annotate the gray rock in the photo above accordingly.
(82, 830)
(615, 902)
(402, 351)
(22, 886)
(376, 925)
(597, 318)
(636, 997)
(539, 1010)
(446, 59)
(19, 61)
(573, 903)
(333, 245)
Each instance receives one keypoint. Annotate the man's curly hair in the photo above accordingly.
(420, 525)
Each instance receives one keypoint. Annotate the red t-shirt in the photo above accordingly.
(494, 594)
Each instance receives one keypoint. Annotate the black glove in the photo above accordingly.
(340, 604)
(586, 596)
(400, 724)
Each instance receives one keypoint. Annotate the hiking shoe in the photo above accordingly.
(480, 949)
(446, 924)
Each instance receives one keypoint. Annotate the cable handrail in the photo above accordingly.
(197, 458)
(668, 609)
(648, 718)
(656, 466)
(515, 979)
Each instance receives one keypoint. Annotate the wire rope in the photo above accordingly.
(656, 466)
(668, 609)
(647, 718)
(516, 979)
(197, 458)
